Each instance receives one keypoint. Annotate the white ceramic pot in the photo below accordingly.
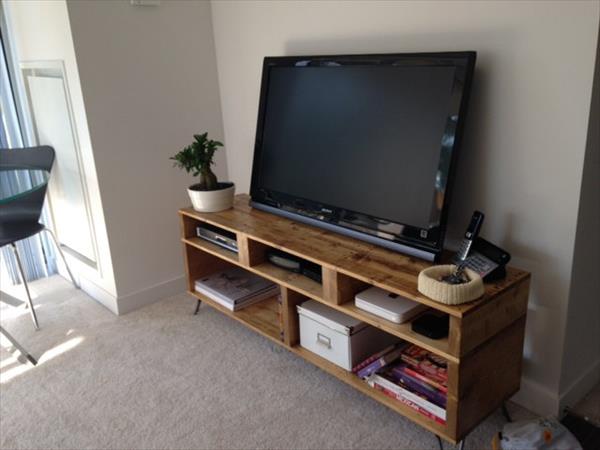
(212, 201)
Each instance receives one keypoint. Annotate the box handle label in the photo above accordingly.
(323, 340)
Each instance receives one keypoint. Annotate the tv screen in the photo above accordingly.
(362, 145)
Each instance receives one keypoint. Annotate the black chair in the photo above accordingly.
(19, 218)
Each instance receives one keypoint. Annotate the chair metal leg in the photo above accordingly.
(62, 255)
(29, 302)
(439, 440)
(198, 307)
(18, 346)
(461, 444)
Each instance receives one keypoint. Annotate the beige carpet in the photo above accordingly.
(161, 378)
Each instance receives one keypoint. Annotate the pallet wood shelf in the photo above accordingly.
(484, 334)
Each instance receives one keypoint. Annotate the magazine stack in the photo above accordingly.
(236, 288)
(411, 375)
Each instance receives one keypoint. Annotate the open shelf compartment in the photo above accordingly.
(340, 290)
(258, 262)
(354, 381)
(263, 317)
(484, 334)
(290, 316)
(189, 236)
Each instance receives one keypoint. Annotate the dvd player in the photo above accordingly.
(295, 264)
(218, 236)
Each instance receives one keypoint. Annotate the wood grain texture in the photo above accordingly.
(243, 249)
(213, 249)
(200, 263)
(402, 330)
(485, 342)
(368, 263)
(357, 383)
(291, 322)
(452, 398)
(483, 323)
(488, 376)
(339, 288)
(291, 280)
(187, 228)
(262, 317)
(257, 252)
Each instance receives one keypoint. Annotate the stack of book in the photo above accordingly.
(236, 288)
(379, 360)
(411, 375)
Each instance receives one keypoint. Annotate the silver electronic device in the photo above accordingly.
(218, 236)
(388, 305)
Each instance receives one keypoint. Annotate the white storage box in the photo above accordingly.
(390, 306)
(339, 338)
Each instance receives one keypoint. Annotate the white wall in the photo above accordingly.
(581, 363)
(525, 139)
(149, 82)
(40, 31)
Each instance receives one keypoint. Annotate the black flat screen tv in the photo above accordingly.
(364, 145)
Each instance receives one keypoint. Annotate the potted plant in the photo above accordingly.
(209, 195)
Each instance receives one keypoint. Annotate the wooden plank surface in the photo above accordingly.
(403, 330)
(293, 280)
(339, 288)
(488, 376)
(369, 263)
(291, 323)
(211, 248)
(199, 263)
(486, 336)
(262, 317)
(357, 383)
(486, 321)
(268, 327)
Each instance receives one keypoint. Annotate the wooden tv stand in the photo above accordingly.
(485, 345)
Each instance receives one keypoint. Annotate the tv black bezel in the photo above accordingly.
(311, 211)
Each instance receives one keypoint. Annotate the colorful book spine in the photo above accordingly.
(409, 404)
(399, 391)
(379, 363)
(372, 358)
(419, 387)
(420, 376)
(427, 363)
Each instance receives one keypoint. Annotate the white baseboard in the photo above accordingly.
(136, 300)
(99, 294)
(130, 302)
(580, 387)
(537, 398)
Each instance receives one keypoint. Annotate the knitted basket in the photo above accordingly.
(429, 284)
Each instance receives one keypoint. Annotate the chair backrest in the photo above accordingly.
(41, 157)
(25, 209)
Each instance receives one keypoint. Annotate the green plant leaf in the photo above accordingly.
(198, 157)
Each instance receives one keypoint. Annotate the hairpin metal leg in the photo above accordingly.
(461, 444)
(506, 413)
(29, 302)
(62, 255)
(197, 307)
(18, 346)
